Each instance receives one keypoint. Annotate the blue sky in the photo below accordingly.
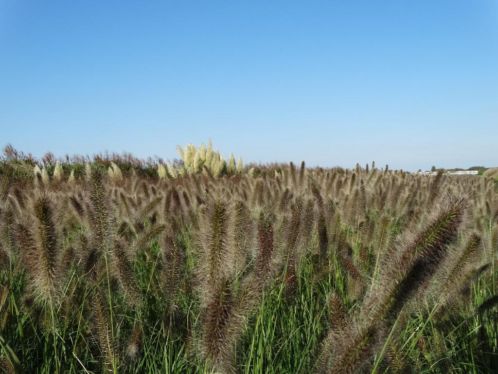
(408, 83)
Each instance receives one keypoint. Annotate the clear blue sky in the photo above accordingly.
(409, 83)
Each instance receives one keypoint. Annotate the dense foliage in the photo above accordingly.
(280, 270)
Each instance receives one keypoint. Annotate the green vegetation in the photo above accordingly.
(112, 264)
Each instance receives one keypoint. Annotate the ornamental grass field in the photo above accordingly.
(110, 264)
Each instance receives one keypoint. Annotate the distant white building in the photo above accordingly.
(463, 172)
(456, 172)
